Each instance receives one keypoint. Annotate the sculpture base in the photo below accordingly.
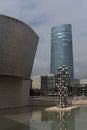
(61, 109)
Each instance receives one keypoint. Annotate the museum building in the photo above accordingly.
(18, 44)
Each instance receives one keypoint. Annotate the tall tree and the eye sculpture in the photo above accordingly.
(63, 100)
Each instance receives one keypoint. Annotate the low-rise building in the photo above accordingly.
(51, 81)
(39, 82)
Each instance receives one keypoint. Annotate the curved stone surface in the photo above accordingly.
(18, 43)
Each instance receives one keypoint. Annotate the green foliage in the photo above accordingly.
(72, 91)
(38, 92)
(77, 90)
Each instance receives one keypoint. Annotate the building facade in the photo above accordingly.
(36, 82)
(39, 82)
(18, 44)
(61, 49)
(51, 81)
(47, 81)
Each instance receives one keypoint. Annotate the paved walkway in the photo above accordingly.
(51, 101)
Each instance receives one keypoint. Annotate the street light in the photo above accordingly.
(83, 91)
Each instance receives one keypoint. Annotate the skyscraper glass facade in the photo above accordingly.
(61, 48)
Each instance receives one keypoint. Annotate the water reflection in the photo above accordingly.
(15, 119)
(52, 120)
(29, 118)
(65, 120)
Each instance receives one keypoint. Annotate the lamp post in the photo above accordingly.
(83, 91)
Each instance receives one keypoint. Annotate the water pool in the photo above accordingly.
(34, 118)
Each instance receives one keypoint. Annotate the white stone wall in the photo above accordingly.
(83, 81)
(36, 83)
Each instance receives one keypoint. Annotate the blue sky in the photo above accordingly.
(42, 15)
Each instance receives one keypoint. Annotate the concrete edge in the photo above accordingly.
(61, 109)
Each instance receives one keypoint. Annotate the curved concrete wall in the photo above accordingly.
(18, 43)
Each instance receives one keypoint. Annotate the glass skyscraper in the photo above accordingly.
(61, 48)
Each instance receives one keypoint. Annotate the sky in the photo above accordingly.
(41, 16)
